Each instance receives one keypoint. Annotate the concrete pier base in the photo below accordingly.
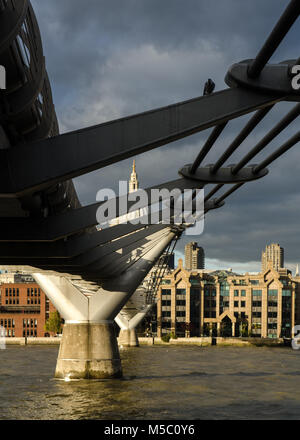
(128, 338)
(88, 351)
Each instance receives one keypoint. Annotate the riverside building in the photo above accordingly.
(222, 303)
(24, 307)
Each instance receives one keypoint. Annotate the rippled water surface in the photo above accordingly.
(159, 383)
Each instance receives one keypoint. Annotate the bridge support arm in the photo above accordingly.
(128, 335)
(89, 348)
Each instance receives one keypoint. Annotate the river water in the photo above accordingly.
(159, 383)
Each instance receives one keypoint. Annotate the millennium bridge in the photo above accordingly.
(92, 276)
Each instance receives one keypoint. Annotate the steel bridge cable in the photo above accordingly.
(249, 127)
(213, 192)
(284, 123)
(208, 146)
(279, 152)
(156, 275)
(229, 192)
(163, 269)
(282, 27)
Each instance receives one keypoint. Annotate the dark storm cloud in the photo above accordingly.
(112, 58)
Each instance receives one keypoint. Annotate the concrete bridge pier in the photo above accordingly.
(89, 347)
(128, 338)
(128, 335)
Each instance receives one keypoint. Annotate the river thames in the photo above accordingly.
(191, 383)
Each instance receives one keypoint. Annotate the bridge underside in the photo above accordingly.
(88, 274)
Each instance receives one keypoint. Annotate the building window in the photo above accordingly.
(243, 292)
(236, 303)
(164, 282)
(256, 304)
(194, 281)
(243, 303)
(224, 289)
(254, 282)
(166, 314)
(180, 314)
(272, 292)
(256, 292)
(236, 293)
(180, 291)
(166, 291)
(286, 292)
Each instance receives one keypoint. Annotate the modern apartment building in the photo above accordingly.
(274, 254)
(199, 303)
(194, 256)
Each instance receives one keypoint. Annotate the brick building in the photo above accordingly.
(197, 303)
(24, 308)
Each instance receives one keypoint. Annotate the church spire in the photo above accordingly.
(133, 182)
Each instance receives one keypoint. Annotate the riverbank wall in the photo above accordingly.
(218, 341)
(201, 342)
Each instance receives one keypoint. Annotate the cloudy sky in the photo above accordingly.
(112, 58)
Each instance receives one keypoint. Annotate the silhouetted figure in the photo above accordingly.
(209, 87)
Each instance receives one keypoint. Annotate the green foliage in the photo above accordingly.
(166, 338)
(53, 324)
(173, 335)
(244, 329)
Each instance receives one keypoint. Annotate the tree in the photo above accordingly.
(53, 324)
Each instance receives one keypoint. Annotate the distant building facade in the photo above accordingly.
(194, 256)
(203, 303)
(274, 254)
(24, 308)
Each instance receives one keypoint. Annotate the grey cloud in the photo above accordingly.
(111, 58)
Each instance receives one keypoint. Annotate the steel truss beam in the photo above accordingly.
(70, 155)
